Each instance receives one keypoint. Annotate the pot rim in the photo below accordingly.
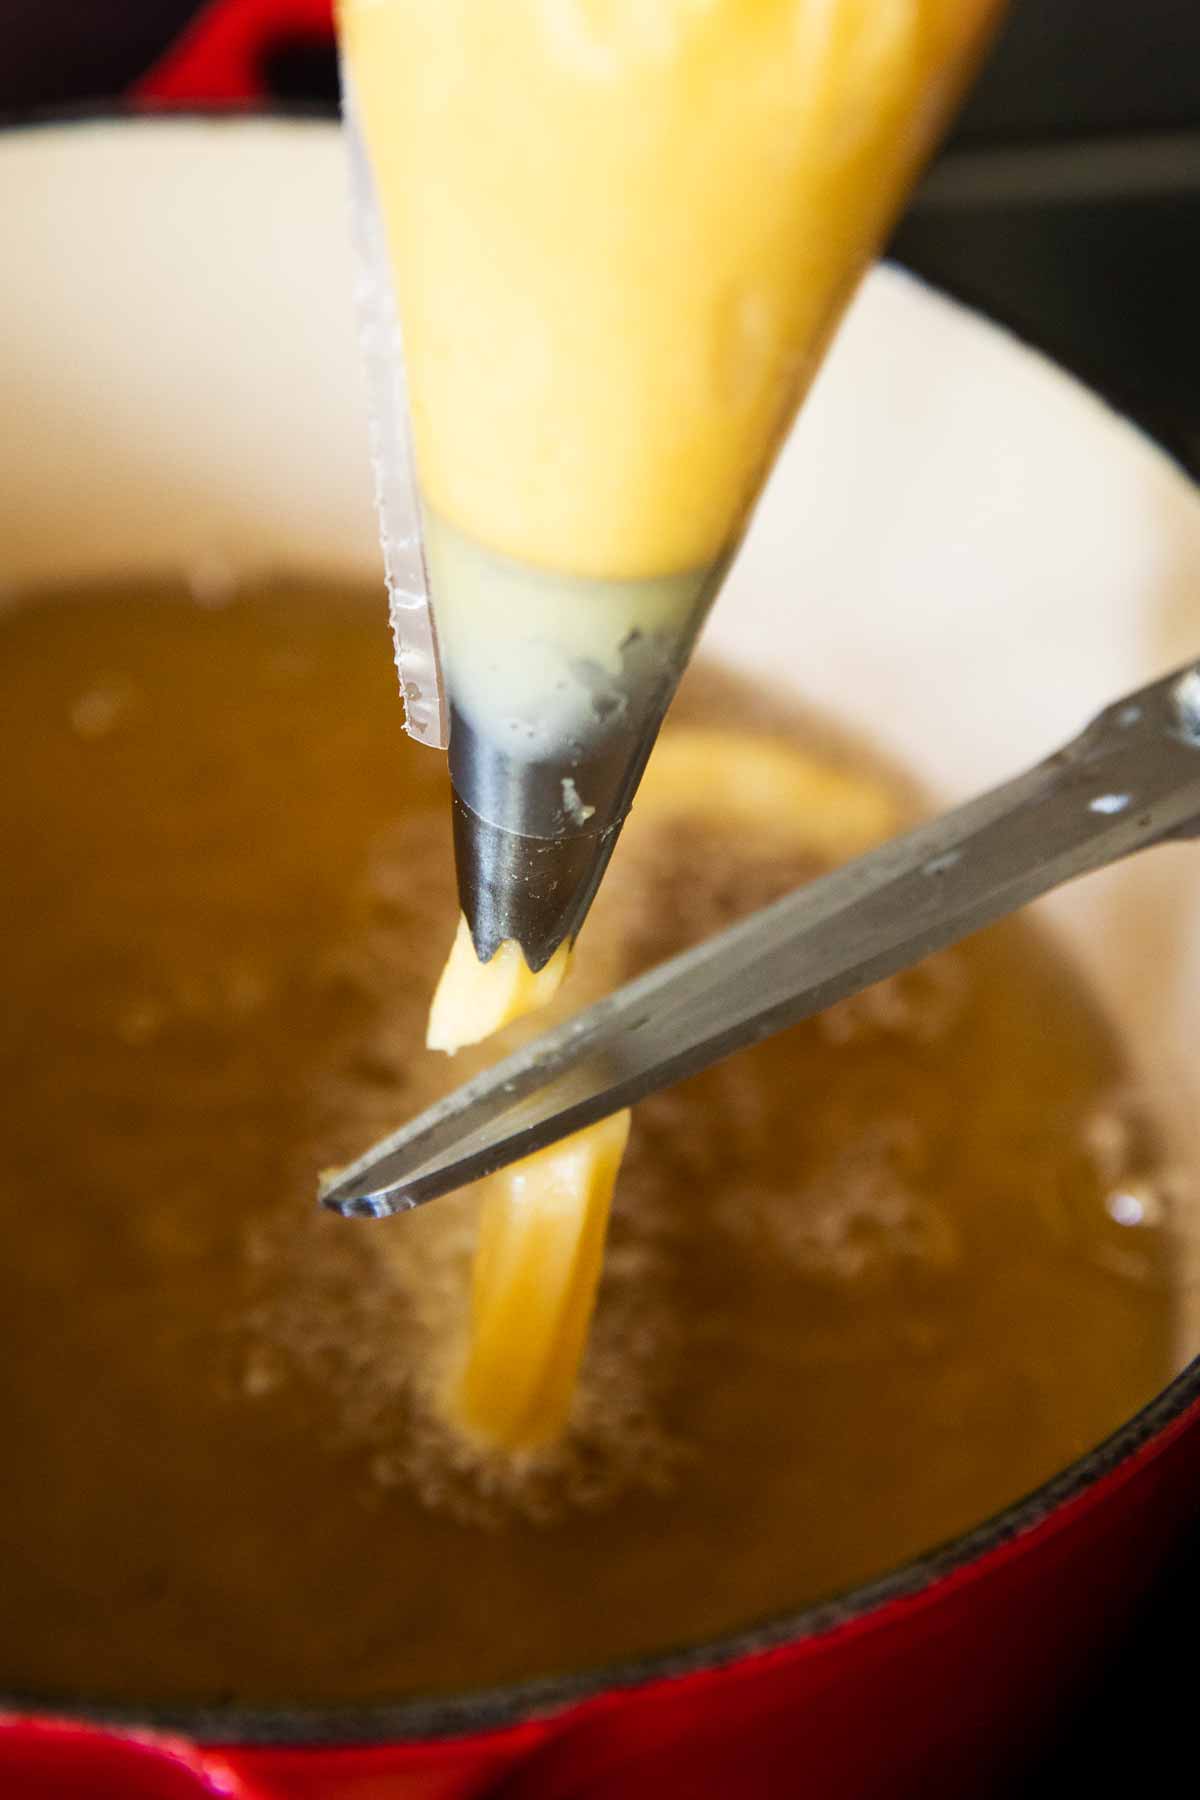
(432, 1718)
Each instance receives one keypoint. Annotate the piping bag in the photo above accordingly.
(602, 249)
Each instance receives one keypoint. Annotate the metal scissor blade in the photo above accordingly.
(1131, 779)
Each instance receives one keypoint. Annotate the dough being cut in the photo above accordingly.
(544, 1220)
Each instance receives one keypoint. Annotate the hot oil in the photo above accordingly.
(866, 1283)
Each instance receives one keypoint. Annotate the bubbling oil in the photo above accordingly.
(866, 1283)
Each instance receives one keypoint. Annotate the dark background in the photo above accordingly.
(1067, 205)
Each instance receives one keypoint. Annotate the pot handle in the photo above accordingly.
(220, 57)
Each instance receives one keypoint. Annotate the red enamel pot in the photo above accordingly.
(986, 554)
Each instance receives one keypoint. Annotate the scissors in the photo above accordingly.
(1130, 780)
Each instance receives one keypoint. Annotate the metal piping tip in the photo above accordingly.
(557, 685)
(536, 891)
(529, 870)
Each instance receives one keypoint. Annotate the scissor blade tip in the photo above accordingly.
(380, 1205)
